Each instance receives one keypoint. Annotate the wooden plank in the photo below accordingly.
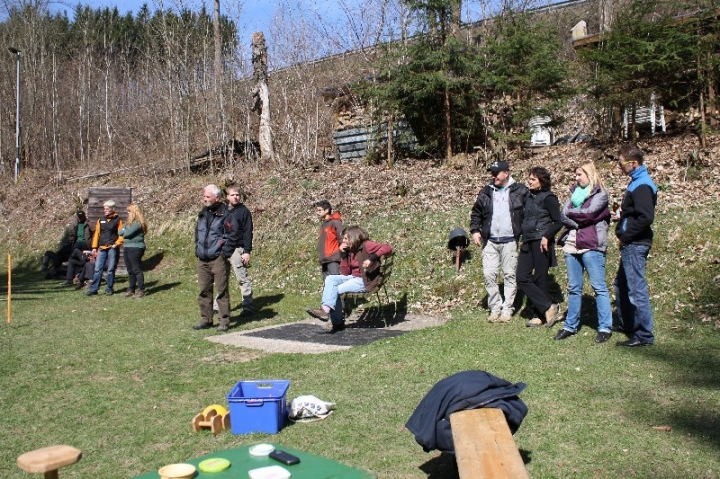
(48, 459)
(484, 446)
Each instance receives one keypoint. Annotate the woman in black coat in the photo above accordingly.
(541, 222)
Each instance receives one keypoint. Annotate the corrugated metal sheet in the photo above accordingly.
(355, 143)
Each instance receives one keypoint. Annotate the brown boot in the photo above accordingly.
(139, 294)
(129, 293)
(552, 315)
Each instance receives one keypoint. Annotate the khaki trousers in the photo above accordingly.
(215, 273)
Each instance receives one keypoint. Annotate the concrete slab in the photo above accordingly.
(307, 336)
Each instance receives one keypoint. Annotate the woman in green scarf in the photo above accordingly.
(586, 216)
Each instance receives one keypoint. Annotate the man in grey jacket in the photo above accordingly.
(495, 224)
(215, 235)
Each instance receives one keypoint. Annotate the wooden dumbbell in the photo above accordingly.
(216, 422)
(49, 460)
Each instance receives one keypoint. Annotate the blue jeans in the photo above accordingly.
(631, 293)
(335, 285)
(110, 256)
(594, 263)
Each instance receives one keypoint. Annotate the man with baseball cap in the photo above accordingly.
(495, 224)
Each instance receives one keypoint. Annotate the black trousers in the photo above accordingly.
(532, 274)
(136, 279)
(76, 263)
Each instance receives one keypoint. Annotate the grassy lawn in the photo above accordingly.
(121, 379)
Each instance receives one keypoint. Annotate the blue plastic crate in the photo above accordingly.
(258, 406)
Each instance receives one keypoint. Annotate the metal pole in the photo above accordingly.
(9, 295)
(17, 52)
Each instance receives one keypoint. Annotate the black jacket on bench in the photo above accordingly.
(430, 422)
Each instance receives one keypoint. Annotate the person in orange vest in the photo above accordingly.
(106, 243)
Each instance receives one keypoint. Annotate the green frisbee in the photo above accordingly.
(215, 464)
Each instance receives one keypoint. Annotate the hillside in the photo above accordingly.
(283, 197)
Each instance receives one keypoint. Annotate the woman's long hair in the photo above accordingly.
(134, 214)
(592, 173)
(356, 237)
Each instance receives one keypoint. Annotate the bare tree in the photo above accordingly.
(261, 95)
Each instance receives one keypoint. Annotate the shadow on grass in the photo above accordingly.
(443, 466)
(262, 309)
(149, 264)
(698, 369)
(152, 287)
(381, 316)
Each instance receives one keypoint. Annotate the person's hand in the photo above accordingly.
(366, 263)
(543, 244)
(343, 246)
(94, 251)
(615, 215)
(477, 239)
(245, 258)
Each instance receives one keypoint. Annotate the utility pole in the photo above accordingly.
(16, 52)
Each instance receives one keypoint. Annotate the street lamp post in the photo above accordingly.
(16, 52)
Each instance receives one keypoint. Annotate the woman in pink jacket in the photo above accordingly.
(359, 271)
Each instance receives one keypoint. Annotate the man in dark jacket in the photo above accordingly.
(635, 235)
(240, 259)
(215, 236)
(496, 224)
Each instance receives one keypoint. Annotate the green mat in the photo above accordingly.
(310, 466)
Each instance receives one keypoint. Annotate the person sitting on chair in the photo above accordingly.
(52, 261)
(359, 272)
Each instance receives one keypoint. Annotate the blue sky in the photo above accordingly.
(251, 15)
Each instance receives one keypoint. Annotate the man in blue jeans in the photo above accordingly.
(635, 235)
(106, 243)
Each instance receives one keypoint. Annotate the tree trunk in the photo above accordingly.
(390, 142)
(448, 125)
(606, 15)
(261, 95)
(455, 21)
(218, 45)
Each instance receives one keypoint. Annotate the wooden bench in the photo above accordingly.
(386, 266)
(484, 445)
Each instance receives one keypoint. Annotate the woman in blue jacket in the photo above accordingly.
(587, 217)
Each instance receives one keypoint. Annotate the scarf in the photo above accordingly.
(579, 196)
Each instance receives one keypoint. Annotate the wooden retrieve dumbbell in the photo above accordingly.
(48, 460)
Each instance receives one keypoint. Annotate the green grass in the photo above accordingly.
(121, 379)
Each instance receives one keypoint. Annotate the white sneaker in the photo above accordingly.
(494, 316)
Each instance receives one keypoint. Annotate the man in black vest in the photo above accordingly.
(215, 239)
(106, 243)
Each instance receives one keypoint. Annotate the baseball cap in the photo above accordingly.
(497, 166)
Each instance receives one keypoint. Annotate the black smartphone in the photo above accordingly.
(284, 457)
